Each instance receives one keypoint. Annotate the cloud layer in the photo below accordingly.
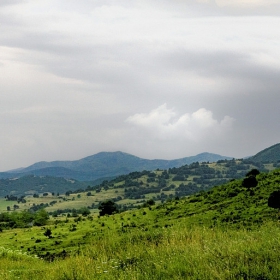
(82, 77)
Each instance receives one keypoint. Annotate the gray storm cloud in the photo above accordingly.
(158, 79)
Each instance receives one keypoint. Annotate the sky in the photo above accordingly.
(158, 79)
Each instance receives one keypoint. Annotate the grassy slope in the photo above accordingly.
(39, 184)
(226, 233)
(180, 253)
(115, 188)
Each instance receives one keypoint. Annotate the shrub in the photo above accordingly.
(107, 208)
(254, 172)
(48, 233)
(250, 182)
(274, 200)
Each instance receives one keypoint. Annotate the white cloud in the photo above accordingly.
(246, 3)
(165, 124)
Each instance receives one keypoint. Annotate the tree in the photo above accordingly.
(250, 182)
(16, 207)
(68, 193)
(274, 200)
(107, 208)
(253, 172)
(74, 213)
(148, 203)
(41, 217)
(48, 233)
(84, 211)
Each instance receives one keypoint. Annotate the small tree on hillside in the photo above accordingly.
(274, 200)
(107, 208)
(84, 211)
(48, 233)
(249, 182)
(41, 217)
(253, 172)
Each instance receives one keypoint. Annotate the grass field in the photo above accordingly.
(228, 232)
(170, 253)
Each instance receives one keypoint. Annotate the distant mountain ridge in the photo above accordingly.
(105, 164)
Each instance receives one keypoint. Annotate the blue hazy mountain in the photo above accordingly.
(105, 164)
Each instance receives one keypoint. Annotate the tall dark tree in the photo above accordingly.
(107, 208)
(274, 200)
(250, 182)
(253, 172)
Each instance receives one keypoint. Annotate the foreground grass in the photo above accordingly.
(170, 253)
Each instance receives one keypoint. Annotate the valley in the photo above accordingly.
(208, 220)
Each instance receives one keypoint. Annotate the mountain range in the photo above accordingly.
(62, 176)
(105, 165)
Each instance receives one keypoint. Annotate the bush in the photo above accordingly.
(253, 172)
(274, 200)
(250, 182)
(41, 217)
(48, 233)
(108, 208)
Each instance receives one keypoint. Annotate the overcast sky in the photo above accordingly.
(153, 78)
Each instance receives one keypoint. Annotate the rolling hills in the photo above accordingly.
(59, 176)
(228, 232)
(105, 165)
(160, 184)
(222, 231)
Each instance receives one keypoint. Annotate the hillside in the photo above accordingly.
(31, 184)
(93, 170)
(160, 184)
(228, 232)
(104, 165)
(270, 154)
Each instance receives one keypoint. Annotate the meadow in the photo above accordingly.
(228, 232)
(179, 252)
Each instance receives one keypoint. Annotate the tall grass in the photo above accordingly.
(172, 253)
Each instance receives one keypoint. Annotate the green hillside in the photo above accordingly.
(159, 184)
(105, 166)
(31, 184)
(228, 232)
(271, 154)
